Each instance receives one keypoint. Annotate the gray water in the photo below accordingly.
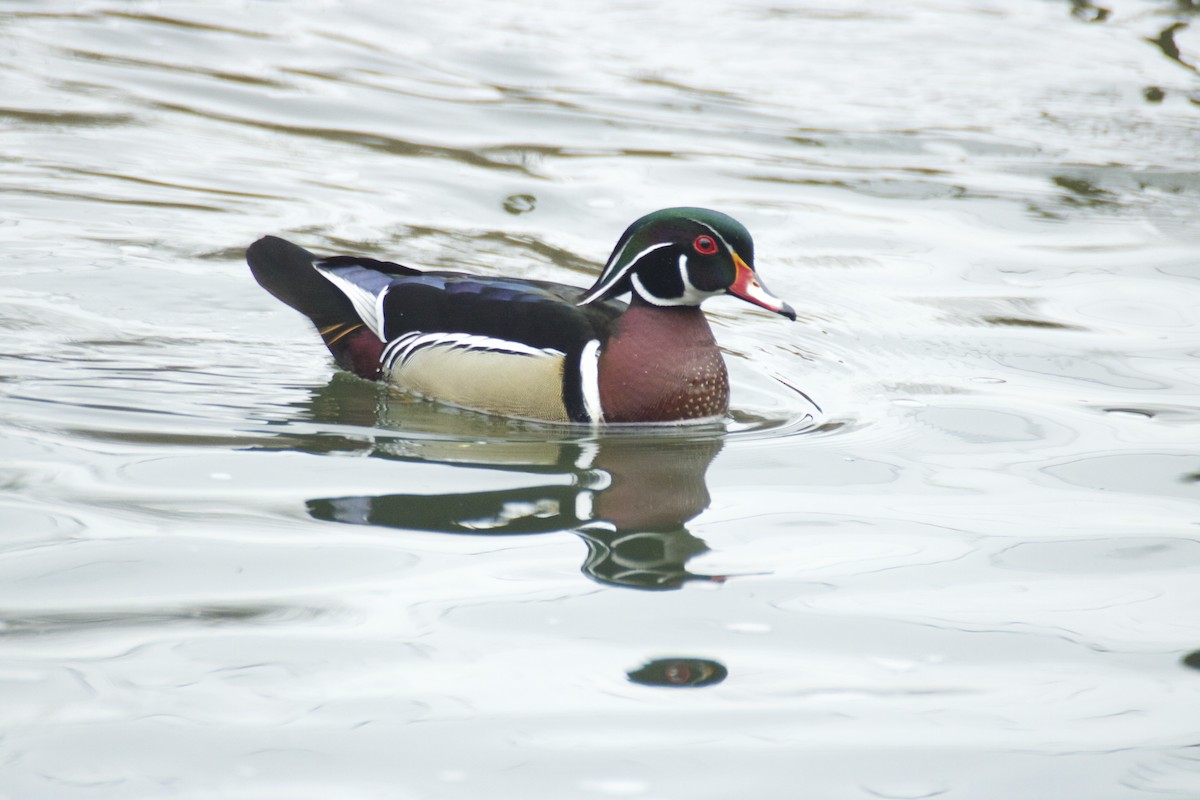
(946, 545)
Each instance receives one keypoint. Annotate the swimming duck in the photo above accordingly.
(536, 349)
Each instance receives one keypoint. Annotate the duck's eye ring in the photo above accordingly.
(705, 245)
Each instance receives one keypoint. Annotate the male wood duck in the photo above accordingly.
(536, 349)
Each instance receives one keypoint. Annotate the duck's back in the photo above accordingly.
(499, 345)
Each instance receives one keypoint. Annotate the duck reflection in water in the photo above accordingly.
(628, 495)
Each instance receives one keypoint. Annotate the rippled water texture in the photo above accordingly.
(947, 544)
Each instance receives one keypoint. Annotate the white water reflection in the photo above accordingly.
(946, 545)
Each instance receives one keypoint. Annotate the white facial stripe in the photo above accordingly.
(691, 295)
(643, 293)
(589, 380)
(713, 231)
(612, 281)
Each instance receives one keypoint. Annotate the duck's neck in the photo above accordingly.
(662, 364)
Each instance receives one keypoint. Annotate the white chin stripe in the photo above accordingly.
(641, 292)
(691, 295)
(589, 380)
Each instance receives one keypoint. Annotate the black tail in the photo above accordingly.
(286, 271)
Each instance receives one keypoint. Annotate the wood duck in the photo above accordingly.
(535, 349)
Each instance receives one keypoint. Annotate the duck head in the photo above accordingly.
(682, 257)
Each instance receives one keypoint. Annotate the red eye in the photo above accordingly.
(705, 245)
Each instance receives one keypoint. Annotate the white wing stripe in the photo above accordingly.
(393, 349)
(366, 304)
(379, 315)
(398, 351)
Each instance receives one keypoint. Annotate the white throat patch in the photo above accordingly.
(691, 295)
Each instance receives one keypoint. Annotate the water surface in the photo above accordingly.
(945, 546)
